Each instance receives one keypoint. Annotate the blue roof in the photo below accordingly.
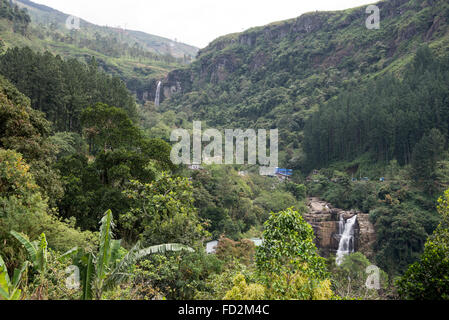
(284, 172)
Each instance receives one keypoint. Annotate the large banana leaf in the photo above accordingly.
(88, 279)
(135, 254)
(18, 273)
(29, 246)
(69, 253)
(10, 290)
(4, 281)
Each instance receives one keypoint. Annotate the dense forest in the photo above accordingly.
(19, 17)
(87, 187)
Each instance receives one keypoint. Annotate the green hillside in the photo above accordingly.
(278, 75)
(87, 181)
(366, 107)
(136, 57)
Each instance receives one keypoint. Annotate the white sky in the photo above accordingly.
(195, 22)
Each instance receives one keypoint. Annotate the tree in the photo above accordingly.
(26, 131)
(108, 128)
(400, 236)
(37, 254)
(288, 259)
(426, 154)
(428, 278)
(162, 211)
(229, 251)
(106, 269)
(243, 291)
(63, 89)
(23, 209)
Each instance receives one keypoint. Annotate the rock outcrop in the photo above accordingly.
(324, 220)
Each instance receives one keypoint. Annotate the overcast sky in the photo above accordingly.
(195, 22)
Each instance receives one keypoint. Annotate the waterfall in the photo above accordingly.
(341, 225)
(158, 94)
(346, 245)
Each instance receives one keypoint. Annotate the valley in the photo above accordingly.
(106, 165)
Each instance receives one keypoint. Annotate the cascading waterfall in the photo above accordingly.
(341, 225)
(346, 245)
(158, 94)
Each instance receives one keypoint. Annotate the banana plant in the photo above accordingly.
(37, 252)
(107, 269)
(9, 289)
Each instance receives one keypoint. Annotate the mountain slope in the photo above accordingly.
(41, 14)
(136, 57)
(278, 75)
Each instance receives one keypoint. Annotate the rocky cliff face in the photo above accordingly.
(324, 220)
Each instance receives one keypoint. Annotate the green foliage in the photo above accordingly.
(176, 276)
(243, 291)
(288, 246)
(349, 279)
(9, 288)
(426, 154)
(91, 187)
(428, 278)
(19, 17)
(108, 268)
(385, 117)
(231, 251)
(401, 233)
(288, 259)
(37, 251)
(162, 211)
(26, 131)
(62, 89)
(234, 204)
(68, 143)
(108, 128)
(23, 209)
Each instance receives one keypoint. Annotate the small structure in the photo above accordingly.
(284, 174)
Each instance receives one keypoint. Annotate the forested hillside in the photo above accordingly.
(368, 107)
(279, 74)
(87, 183)
(137, 58)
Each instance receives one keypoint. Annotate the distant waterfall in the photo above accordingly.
(346, 245)
(157, 100)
